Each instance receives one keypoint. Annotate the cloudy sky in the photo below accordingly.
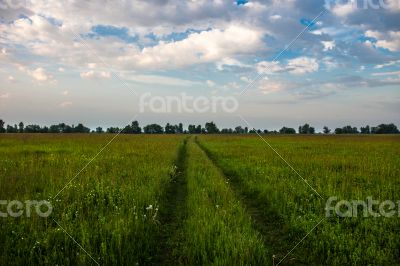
(92, 61)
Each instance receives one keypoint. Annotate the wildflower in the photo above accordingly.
(150, 207)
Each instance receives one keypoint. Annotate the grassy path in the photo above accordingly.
(272, 227)
(173, 213)
(217, 231)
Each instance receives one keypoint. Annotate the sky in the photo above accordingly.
(282, 62)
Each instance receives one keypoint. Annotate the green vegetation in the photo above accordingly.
(209, 199)
(348, 167)
(110, 208)
(217, 231)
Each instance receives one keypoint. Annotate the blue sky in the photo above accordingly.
(90, 61)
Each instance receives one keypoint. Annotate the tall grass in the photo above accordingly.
(111, 208)
(348, 167)
(217, 231)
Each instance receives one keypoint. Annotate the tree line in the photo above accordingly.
(209, 128)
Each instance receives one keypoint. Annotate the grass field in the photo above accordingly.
(198, 200)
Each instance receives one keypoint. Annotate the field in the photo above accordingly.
(198, 200)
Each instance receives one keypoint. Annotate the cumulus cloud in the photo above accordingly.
(302, 65)
(65, 104)
(210, 83)
(328, 45)
(389, 40)
(39, 74)
(91, 74)
(158, 79)
(344, 9)
(265, 67)
(391, 63)
(4, 95)
(203, 47)
(230, 62)
(271, 86)
(298, 66)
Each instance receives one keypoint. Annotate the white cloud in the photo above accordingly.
(65, 93)
(343, 10)
(391, 63)
(393, 5)
(302, 65)
(227, 61)
(245, 79)
(204, 47)
(328, 45)
(389, 40)
(275, 17)
(61, 69)
(210, 83)
(65, 104)
(271, 86)
(91, 74)
(5, 95)
(156, 79)
(11, 79)
(38, 74)
(231, 86)
(330, 63)
(265, 67)
(393, 73)
(298, 66)
(62, 42)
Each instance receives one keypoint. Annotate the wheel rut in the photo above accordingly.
(173, 213)
(275, 232)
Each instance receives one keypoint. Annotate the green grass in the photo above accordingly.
(104, 209)
(220, 200)
(217, 231)
(348, 167)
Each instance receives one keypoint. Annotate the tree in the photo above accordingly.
(153, 129)
(32, 129)
(239, 130)
(21, 127)
(199, 130)
(11, 129)
(136, 129)
(99, 130)
(211, 128)
(192, 129)
(338, 130)
(170, 129)
(365, 130)
(2, 129)
(180, 128)
(326, 130)
(80, 128)
(286, 130)
(113, 130)
(306, 129)
(385, 129)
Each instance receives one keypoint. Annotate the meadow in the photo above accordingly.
(198, 200)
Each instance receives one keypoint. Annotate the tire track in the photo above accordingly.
(275, 232)
(173, 213)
